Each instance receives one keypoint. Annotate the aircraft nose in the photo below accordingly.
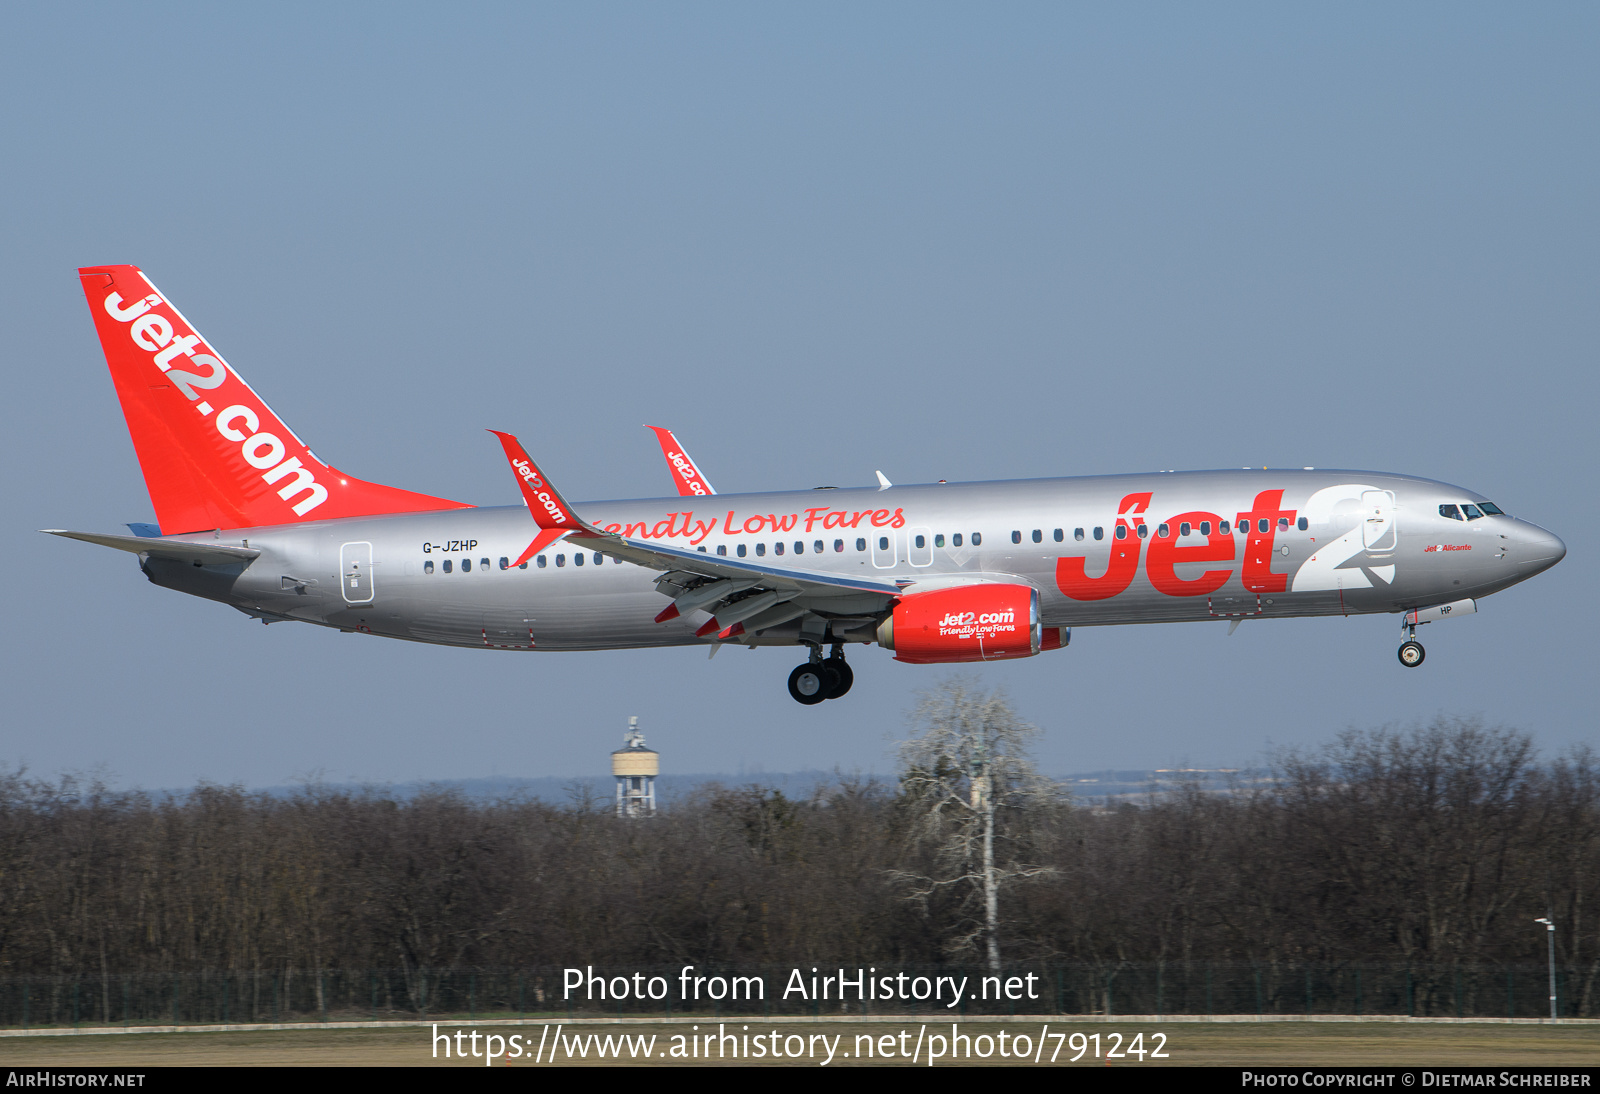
(1539, 549)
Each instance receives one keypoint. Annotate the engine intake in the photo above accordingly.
(966, 623)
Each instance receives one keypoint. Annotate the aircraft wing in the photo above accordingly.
(205, 554)
(686, 474)
(734, 591)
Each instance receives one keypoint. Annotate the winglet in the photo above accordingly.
(686, 474)
(550, 510)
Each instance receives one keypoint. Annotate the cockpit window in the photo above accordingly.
(1472, 512)
(1450, 511)
(1490, 509)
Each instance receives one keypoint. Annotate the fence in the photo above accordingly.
(1501, 991)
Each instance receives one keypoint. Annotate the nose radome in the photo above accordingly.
(1540, 549)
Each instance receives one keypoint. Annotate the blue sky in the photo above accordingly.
(962, 242)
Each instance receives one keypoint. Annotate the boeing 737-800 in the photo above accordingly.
(943, 573)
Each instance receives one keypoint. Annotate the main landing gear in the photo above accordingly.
(820, 678)
(1411, 651)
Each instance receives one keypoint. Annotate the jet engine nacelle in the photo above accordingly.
(966, 623)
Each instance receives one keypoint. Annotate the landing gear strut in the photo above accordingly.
(820, 679)
(1411, 651)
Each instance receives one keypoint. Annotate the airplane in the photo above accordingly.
(940, 573)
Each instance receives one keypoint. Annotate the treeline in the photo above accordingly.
(1428, 848)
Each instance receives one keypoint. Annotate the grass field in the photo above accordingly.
(1261, 1044)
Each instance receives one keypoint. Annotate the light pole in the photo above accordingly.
(983, 803)
(1550, 934)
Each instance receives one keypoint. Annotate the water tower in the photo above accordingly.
(636, 768)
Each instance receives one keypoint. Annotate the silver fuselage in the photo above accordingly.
(1371, 543)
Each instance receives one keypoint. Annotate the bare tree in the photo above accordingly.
(966, 783)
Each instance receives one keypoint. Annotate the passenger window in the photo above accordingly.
(838, 546)
(817, 546)
(722, 548)
(1185, 528)
(799, 547)
(1163, 531)
(861, 544)
(922, 541)
(505, 563)
(466, 565)
(541, 562)
(447, 565)
(1061, 535)
(1016, 537)
(1122, 531)
(577, 558)
(761, 549)
(1283, 524)
(1264, 525)
(1038, 536)
(977, 538)
(599, 558)
(1205, 528)
(561, 560)
(522, 566)
(483, 564)
(1077, 534)
(777, 548)
(740, 550)
(427, 567)
(883, 543)
(1144, 530)
(1490, 509)
(1471, 511)
(1302, 524)
(955, 540)
(702, 550)
(1223, 527)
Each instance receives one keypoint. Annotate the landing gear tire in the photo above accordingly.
(1411, 654)
(812, 683)
(846, 675)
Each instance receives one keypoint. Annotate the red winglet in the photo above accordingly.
(544, 539)
(686, 474)
(711, 625)
(550, 510)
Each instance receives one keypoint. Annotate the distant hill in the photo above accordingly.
(1122, 785)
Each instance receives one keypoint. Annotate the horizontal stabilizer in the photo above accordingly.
(206, 554)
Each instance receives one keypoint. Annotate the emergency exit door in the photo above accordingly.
(355, 565)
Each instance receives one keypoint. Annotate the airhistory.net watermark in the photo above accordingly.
(821, 985)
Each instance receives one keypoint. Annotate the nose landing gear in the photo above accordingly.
(1411, 652)
(820, 679)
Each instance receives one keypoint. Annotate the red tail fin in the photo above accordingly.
(213, 454)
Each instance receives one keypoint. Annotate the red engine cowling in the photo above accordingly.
(966, 623)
